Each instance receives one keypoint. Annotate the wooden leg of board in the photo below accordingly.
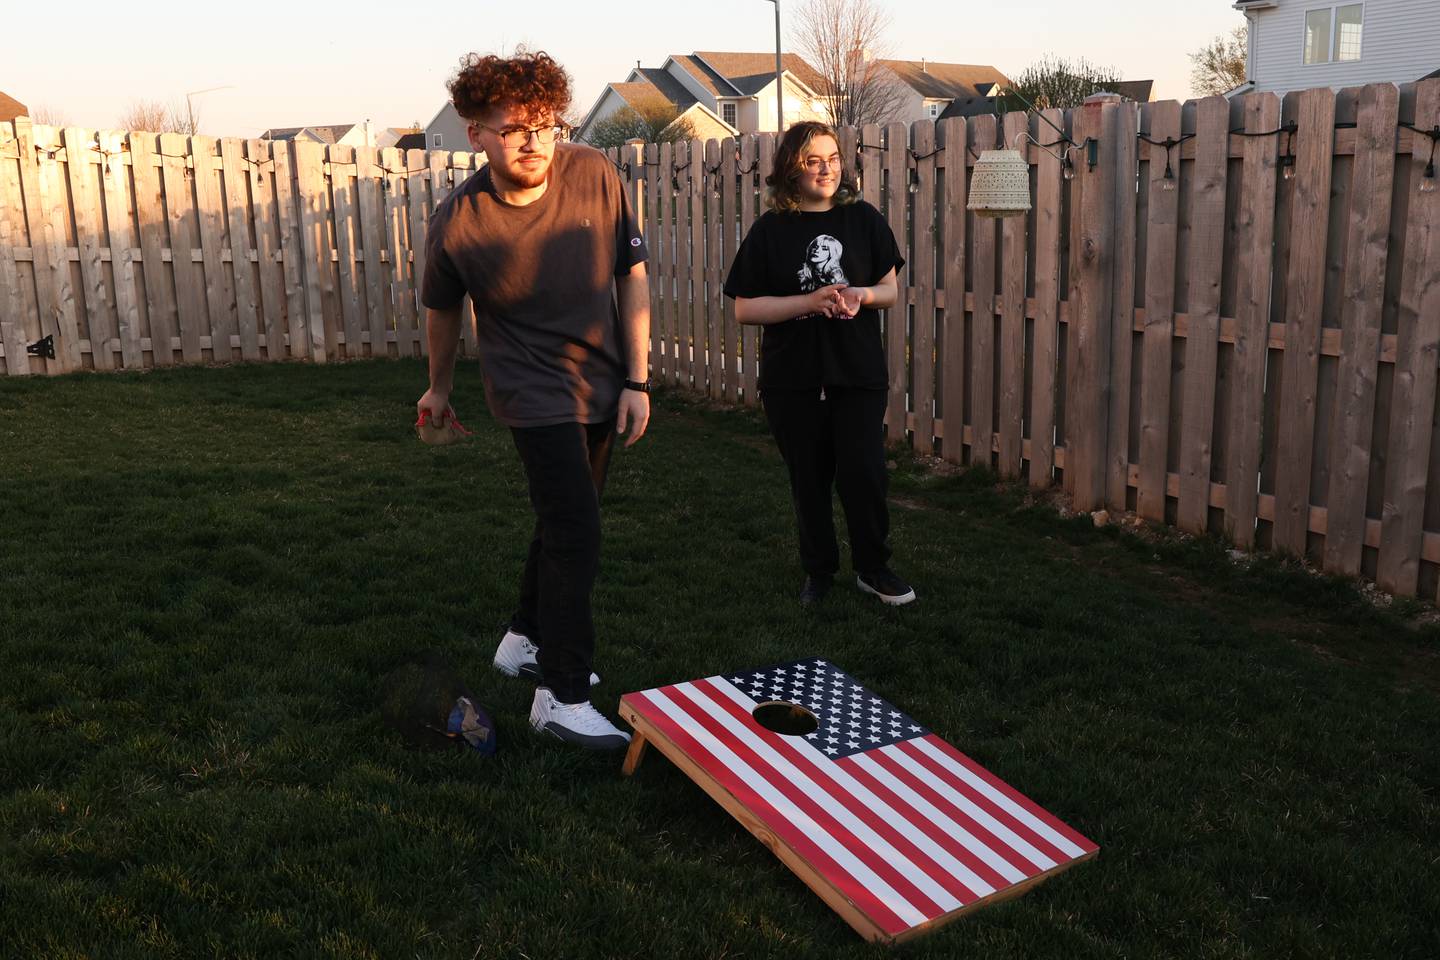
(634, 755)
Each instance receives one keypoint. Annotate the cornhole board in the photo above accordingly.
(894, 828)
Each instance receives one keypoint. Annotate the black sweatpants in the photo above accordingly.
(835, 442)
(565, 465)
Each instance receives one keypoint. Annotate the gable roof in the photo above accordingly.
(666, 85)
(1137, 90)
(331, 133)
(977, 106)
(748, 73)
(411, 141)
(10, 108)
(946, 81)
(705, 75)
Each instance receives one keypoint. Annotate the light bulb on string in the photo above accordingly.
(1067, 167)
(1168, 182)
(914, 180)
(1428, 183)
(1287, 167)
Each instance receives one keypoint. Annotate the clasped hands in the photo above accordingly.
(837, 300)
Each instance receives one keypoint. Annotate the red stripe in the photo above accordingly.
(753, 802)
(1021, 829)
(961, 817)
(939, 834)
(820, 773)
(1060, 826)
(873, 859)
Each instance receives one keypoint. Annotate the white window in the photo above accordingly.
(1332, 34)
(727, 112)
(934, 110)
(437, 140)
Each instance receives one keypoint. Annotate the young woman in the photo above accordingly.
(813, 271)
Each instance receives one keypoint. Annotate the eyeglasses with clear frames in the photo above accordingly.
(513, 137)
(819, 165)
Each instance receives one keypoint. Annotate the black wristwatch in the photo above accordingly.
(639, 386)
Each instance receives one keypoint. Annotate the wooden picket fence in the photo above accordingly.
(1247, 345)
(134, 249)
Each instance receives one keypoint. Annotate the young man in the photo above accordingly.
(543, 240)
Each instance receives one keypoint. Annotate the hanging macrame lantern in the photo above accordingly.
(1000, 186)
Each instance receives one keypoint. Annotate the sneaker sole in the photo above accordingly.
(579, 740)
(531, 672)
(885, 598)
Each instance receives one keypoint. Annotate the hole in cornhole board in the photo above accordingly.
(785, 718)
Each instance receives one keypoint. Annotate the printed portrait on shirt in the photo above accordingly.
(822, 264)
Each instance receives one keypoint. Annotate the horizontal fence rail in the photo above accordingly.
(1222, 315)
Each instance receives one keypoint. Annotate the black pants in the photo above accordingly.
(565, 465)
(835, 441)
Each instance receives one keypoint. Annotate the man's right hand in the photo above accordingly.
(435, 404)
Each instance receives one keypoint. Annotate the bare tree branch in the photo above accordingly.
(844, 40)
(1219, 66)
(152, 116)
(1057, 83)
(49, 116)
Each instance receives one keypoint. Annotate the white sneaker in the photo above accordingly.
(577, 723)
(518, 657)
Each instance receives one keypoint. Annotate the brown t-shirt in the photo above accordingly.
(541, 278)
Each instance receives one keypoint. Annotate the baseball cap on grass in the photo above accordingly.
(427, 703)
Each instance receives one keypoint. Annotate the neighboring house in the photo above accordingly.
(1139, 91)
(391, 136)
(337, 134)
(10, 108)
(1298, 44)
(446, 130)
(928, 89)
(412, 141)
(721, 93)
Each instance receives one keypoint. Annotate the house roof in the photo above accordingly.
(411, 141)
(10, 108)
(1137, 90)
(745, 74)
(713, 82)
(330, 133)
(946, 81)
(641, 93)
(1431, 76)
(976, 106)
(668, 87)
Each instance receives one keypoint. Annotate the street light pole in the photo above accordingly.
(190, 107)
(779, 77)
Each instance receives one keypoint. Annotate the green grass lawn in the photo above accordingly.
(205, 573)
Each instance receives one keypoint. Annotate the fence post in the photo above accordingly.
(1088, 402)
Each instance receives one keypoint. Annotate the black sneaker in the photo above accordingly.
(813, 590)
(884, 584)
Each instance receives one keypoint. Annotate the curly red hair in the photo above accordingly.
(533, 81)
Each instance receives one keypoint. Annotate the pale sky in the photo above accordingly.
(301, 63)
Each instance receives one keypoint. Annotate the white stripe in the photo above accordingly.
(867, 878)
(1001, 832)
(895, 818)
(972, 843)
(877, 844)
(1040, 827)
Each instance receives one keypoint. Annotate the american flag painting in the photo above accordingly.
(895, 828)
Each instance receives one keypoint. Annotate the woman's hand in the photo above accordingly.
(850, 299)
(825, 301)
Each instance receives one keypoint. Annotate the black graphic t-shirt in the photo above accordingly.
(787, 254)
